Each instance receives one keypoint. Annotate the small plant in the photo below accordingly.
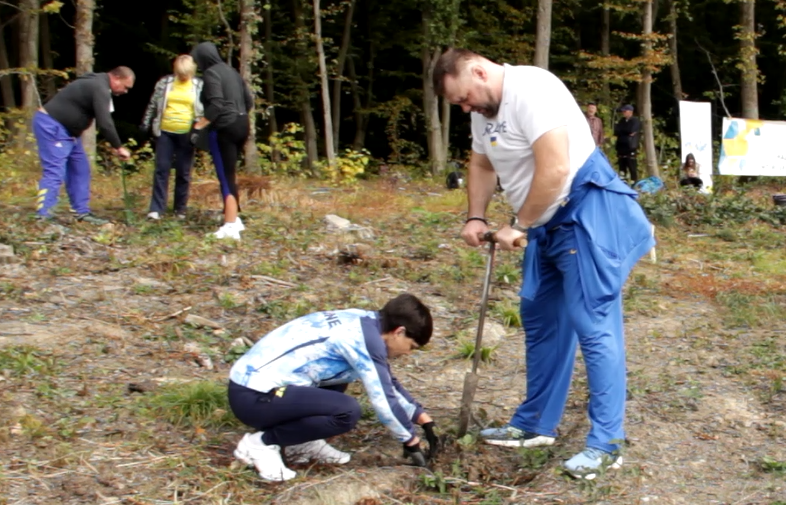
(770, 465)
(467, 351)
(227, 301)
(202, 404)
(434, 481)
(507, 312)
(346, 169)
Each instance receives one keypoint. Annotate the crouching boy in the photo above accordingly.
(290, 385)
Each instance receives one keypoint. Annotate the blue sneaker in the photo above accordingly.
(508, 436)
(591, 462)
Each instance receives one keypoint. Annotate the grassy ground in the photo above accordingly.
(107, 399)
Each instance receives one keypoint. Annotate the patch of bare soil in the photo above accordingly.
(106, 322)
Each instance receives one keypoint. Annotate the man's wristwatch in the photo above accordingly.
(514, 223)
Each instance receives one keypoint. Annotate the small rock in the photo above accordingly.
(198, 355)
(336, 222)
(200, 321)
(493, 333)
(7, 254)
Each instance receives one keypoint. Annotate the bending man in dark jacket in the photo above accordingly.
(627, 131)
(227, 101)
(58, 127)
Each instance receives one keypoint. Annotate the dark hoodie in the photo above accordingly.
(225, 94)
(87, 98)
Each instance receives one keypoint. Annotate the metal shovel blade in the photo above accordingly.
(471, 378)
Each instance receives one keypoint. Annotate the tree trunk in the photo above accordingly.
(445, 129)
(6, 85)
(269, 86)
(302, 91)
(676, 79)
(646, 96)
(342, 57)
(307, 119)
(248, 27)
(605, 50)
(543, 35)
(748, 52)
(28, 52)
(85, 42)
(323, 77)
(361, 118)
(429, 56)
(48, 81)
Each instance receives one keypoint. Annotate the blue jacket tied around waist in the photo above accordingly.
(612, 233)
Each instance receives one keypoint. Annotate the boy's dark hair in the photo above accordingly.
(407, 311)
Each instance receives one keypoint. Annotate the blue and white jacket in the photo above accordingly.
(330, 348)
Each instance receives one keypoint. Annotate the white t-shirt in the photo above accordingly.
(534, 102)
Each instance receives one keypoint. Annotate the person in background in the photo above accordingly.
(627, 131)
(173, 109)
(227, 102)
(58, 128)
(690, 173)
(595, 124)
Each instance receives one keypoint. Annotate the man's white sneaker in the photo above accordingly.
(239, 224)
(229, 230)
(265, 458)
(154, 216)
(317, 450)
(592, 462)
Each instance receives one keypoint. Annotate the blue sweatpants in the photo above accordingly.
(574, 270)
(295, 414)
(63, 160)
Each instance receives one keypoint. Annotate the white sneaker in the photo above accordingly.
(154, 216)
(239, 224)
(317, 450)
(229, 230)
(265, 458)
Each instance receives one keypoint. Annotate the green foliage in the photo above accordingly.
(721, 209)
(25, 360)
(466, 350)
(347, 168)
(285, 152)
(203, 404)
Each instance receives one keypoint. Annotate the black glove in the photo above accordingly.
(433, 439)
(415, 454)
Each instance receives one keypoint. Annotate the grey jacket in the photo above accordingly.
(157, 106)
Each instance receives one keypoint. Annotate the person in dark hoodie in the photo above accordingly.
(227, 102)
(628, 130)
(58, 127)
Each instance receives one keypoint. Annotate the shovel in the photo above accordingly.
(471, 378)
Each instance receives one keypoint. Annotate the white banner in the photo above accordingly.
(696, 138)
(753, 147)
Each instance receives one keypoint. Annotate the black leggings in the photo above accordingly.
(295, 414)
(225, 147)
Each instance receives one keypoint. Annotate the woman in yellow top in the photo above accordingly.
(172, 111)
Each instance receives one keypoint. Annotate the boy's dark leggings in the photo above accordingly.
(295, 414)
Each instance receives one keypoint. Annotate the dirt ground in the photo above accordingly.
(93, 325)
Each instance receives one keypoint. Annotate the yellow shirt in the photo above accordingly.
(179, 112)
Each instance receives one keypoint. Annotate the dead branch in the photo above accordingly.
(717, 79)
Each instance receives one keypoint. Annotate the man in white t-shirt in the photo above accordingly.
(583, 231)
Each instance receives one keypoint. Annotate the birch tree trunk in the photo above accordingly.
(650, 156)
(331, 155)
(748, 84)
(28, 52)
(543, 34)
(248, 28)
(85, 42)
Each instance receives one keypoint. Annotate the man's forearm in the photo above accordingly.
(481, 183)
(547, 184)
(552, 167)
